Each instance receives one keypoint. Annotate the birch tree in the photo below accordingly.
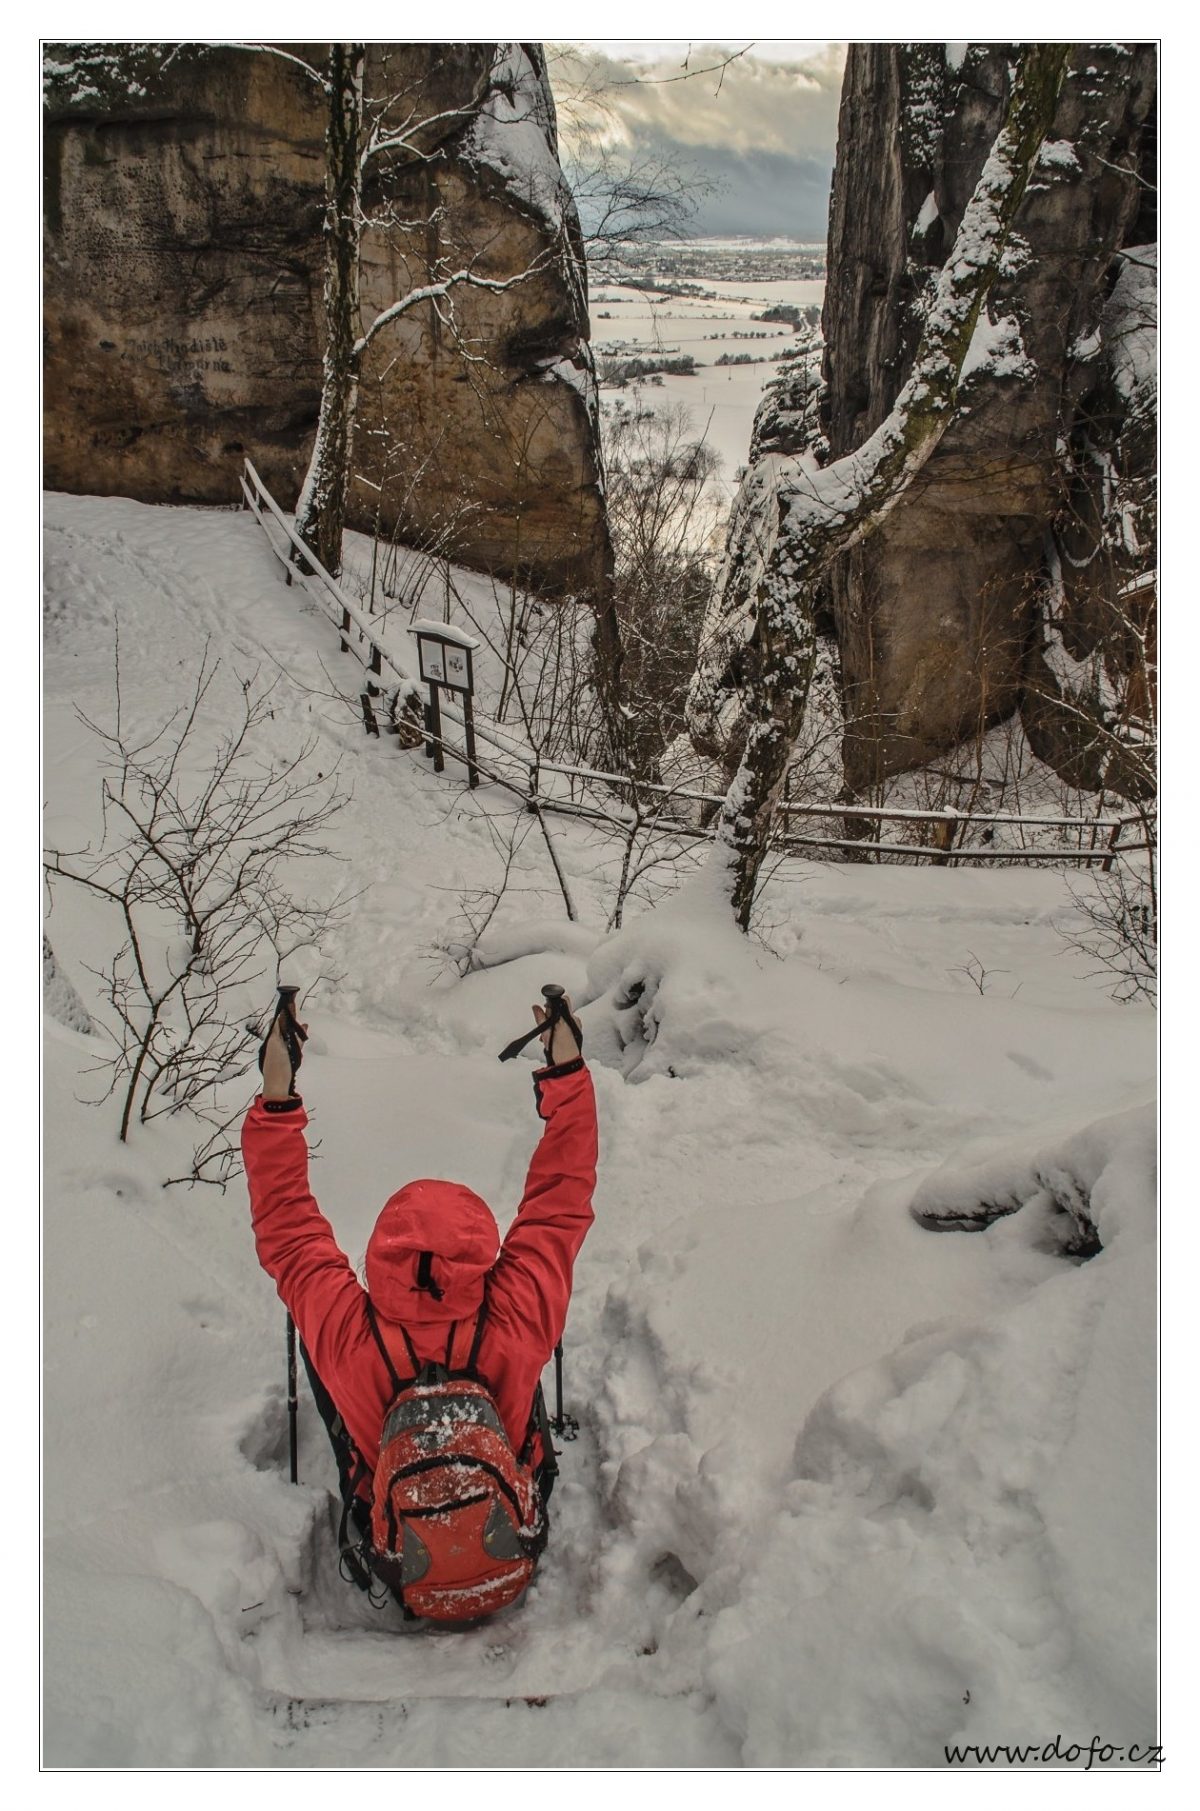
(364, 137)
(808, 515)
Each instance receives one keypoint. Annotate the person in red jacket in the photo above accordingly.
(434, 1250)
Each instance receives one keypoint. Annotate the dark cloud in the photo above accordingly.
(761, 129)
(760, 192)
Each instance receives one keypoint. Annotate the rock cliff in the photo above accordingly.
(1037, 507)
(182, 316)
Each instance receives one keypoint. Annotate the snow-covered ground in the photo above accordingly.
(846, 1490)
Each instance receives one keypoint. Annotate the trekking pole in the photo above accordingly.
(564, 1425)
(292, 1401)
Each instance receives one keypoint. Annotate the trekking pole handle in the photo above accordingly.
(283, 1019)
(556, 1009)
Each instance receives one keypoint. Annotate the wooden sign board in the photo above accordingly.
(458, 668)
(445, 662)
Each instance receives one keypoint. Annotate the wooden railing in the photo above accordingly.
(361, 637)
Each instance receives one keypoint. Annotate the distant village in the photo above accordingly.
(667, 265)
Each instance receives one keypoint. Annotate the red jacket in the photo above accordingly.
(528, 1278)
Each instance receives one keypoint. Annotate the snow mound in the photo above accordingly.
(955, 1530)
(1101, 1179)
(685, 966)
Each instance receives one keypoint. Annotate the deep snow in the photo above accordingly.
(846, 1490)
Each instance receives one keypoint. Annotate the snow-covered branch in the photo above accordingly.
(434, 291)
(402, 138)
(270, 50)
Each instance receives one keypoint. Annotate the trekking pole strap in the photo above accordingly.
(518, 1044)
(556, 1012)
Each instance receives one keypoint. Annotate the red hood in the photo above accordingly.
(452, 1222)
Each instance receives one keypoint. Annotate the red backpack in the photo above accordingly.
(457, 1523)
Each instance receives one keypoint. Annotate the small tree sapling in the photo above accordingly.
(196, 861)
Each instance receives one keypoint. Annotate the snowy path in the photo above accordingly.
(829, 1463)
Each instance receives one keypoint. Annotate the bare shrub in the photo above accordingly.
(194, 860)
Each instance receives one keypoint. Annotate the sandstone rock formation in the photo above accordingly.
(938, 617)
(184, 201)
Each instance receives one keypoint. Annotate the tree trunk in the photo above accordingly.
(811, 516)
(321, 509)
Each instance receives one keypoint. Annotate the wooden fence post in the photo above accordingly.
(1114, 838)
(435, 724)
(469, 727)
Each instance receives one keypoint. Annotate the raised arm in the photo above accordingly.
(294, 1240)
(531, 1283)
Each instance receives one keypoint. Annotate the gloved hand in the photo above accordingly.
(563, 1039)
(280, 1055)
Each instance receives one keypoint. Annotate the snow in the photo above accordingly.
(59, 997)
(1058, 155)
(514, 134)
(846, 1489)
(1086, 678)
(444, 631)
(927, 215)
(996, 348)
(579, 377)
(1129, 325)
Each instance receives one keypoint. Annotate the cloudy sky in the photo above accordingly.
(761, 129)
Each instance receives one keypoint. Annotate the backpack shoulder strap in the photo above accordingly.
(385, 1354)
(473, 1356)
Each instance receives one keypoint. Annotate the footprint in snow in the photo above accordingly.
(1030, 1066)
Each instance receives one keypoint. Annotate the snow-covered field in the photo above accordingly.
(721, 399)
(846, 1490)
